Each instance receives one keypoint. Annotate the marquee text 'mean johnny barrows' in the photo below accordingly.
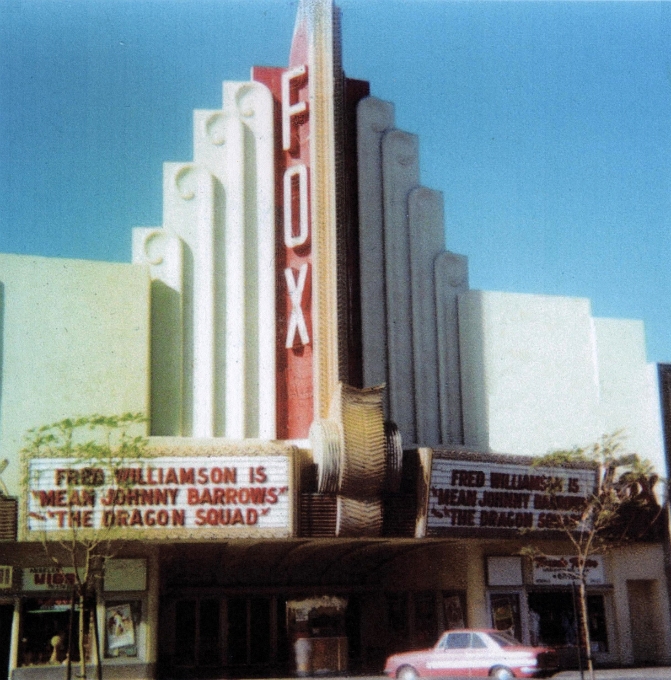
(511, 500)
(81, 488)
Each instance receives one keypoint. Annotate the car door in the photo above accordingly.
(450, 657)
(481, 658)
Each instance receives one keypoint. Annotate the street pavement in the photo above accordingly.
(600, 674)
(620, 674)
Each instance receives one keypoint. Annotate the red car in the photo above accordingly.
(474, 654)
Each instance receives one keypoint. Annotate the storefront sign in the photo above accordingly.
(49, 578)
(481, 495)
(236, 495)
(559, 570)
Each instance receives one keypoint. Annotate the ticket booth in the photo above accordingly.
(317, 629)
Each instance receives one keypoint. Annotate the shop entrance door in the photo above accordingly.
(642, 605)
(6, 617)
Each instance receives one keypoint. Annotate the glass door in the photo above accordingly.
(249, 630)
(211, 635)
(197, 626)
(505, 611)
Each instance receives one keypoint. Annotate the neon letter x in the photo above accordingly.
(296, 320)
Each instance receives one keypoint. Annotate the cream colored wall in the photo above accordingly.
(74, 340)
(528, 373)
(640, 562)
(540, 373)
(628, 388)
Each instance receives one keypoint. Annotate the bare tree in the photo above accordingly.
(622, 507)
(89, 451)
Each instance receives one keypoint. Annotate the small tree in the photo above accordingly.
(621, 508)
(90, 449)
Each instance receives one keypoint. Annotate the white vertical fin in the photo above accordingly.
(400, 170)
(427, 239)
(374, 118)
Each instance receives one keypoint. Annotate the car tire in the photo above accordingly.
(501, 673)
(407, 673)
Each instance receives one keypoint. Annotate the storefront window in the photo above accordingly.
(597, 623)
(122, 621)
(46, 630)
(553, 618)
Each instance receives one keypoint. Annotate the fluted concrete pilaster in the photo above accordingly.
(427, 239)
(451, 278)
(374, 118)
(400, 174)
(219, 209)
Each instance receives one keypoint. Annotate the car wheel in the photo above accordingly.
(407, 673)
(501, 673)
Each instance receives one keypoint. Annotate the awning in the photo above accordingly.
(289, 563)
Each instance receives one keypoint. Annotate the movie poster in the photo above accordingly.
(120, 627)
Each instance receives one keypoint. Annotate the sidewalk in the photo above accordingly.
(620, 674)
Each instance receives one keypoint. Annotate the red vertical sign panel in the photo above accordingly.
(290, 89)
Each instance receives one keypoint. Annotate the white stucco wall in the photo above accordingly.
(74, 340)
(628, 388)
(540, 373)
(640, 562)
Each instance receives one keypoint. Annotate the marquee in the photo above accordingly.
(239, 496)
(482, 495)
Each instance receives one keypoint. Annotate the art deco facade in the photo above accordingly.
(340, 429)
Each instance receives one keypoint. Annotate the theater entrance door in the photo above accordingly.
(207, 635)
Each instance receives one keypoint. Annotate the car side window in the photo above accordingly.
(477, 642)
(457, 641)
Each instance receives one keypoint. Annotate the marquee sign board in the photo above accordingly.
(168, 496)
(483, 495)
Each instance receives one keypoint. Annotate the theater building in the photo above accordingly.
(340, 430)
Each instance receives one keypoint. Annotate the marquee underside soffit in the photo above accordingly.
(296, 563)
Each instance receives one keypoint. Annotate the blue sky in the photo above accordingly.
(546, 125)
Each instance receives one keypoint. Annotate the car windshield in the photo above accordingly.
(504, 639)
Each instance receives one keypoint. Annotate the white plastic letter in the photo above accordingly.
(291, 241)
(289, 109)
(296, 320)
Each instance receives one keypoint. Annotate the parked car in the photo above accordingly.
(474, 654)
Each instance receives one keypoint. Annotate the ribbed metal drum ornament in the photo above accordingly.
(318, 515)
(326, 437)
(362, 471)
(392, 435)
(356, 517)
